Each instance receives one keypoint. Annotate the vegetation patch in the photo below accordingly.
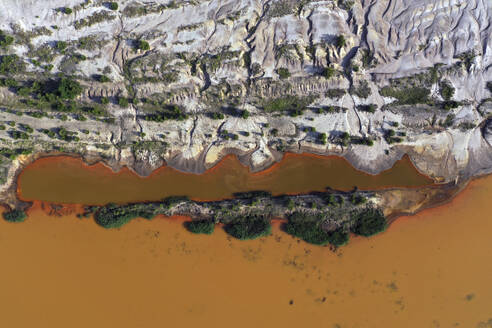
(408, 96)
(309, 228)
(287, 104)
(115, 216)
(249, 227)
(200, 226)
(368, 222)
(14, 216)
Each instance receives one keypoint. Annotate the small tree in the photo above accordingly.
(328, 72)
(244, 114)
(340, 41)
(123, 102)
(283, 73)
(68, 88)
(143, 45)
(113, 6)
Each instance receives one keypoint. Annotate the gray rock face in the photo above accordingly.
(365, 69)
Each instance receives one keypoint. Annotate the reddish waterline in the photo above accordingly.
(68, 180)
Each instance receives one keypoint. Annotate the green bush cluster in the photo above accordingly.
(115, 216)
(447, 90)
(407, 96)
(287, 104)
(169, 112)
(11, 64)
(368, 222)
(283, 73)
(143, 45)
(249, 227)
(14, 216)
(371, 108)
(5, 40)
(200, 226)
(308, 228)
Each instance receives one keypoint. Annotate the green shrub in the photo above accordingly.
(328, 72)
(113, 6)
(103, 79)
(5, 40)
(244, 114)
(283, 73)
(447, 90)
(368, 222)
(68, 88)
(340, 41)
(123, 102)
(11, 64)
(407, 96)
(362, 90)
(67, 10)
(308, 228)
(287, 103)
(14, 216)
(200, 226)
(249, 227)
(143, 45)
(104, 100)
(115, 216)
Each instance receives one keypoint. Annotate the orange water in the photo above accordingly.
(430, 270)
(68, 180)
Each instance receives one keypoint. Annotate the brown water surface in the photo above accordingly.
(69, 180)
(430, 270)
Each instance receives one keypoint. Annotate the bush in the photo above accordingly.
(371, 108)
(5, 40)
(407, 96)
(14, 216)
(340, 41)
(103, 79)
(287, 103)
(104, 100)
(67, 10)
(362, 90)
(447, 90)
(11, 64)
(283, 73)
(113, 6)
(68, 89)
(200, 226)
(143, 45)
(115, 216)
(249, 227)
(123, 102)
(369, 222)
(328, 72)
(244, 114)
(489, 86)
(308, 228)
